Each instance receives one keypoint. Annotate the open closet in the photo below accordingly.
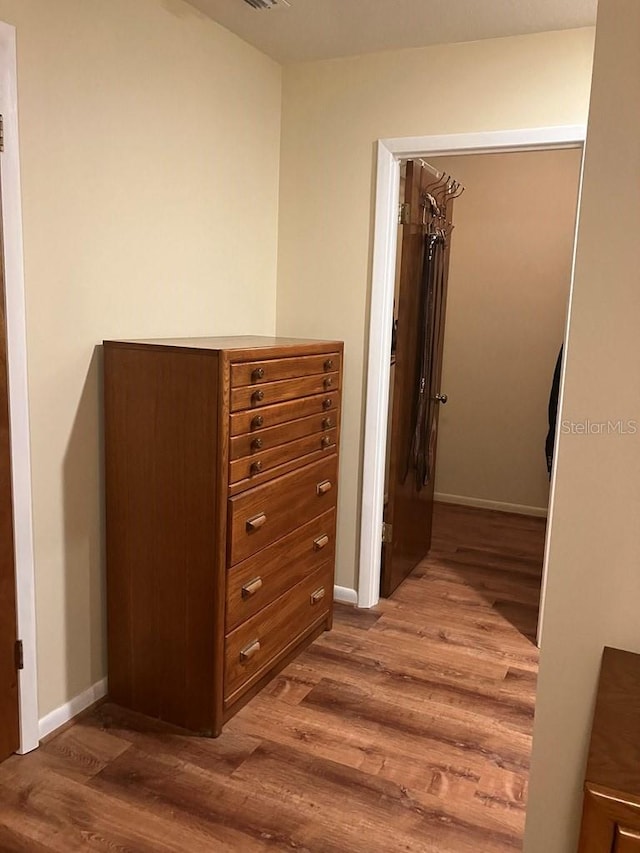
(479, 329)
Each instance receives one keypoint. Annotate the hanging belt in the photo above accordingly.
(431, 301)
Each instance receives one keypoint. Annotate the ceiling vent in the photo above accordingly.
(266, 4)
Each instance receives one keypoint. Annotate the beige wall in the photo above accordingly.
(150, 154)
(509, 283)
(333, 111)
(593, 593)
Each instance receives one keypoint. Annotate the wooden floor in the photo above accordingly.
(405, 729)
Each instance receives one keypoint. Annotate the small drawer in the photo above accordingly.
(256, 582)
(251, 466)
(251, 444)
(275, 369)
(256, 396)
(270, 416)
(259, 516)
(253, 647)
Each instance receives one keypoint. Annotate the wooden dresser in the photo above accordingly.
(611, 814)
(221, 461)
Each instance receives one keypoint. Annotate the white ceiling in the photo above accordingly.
(324, 29)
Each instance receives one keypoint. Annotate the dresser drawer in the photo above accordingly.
(252, 648)
(626, 841)
(252, 444)
(258, 581)
(274, 369)
(282, 413)
(251, 466)
(258, 517)
(255, 396)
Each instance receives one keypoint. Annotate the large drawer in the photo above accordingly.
(253, 647)
(265, 439)
(281, 413)
(251, 466)
(274, 369)
(258, 517)
(255, 396)
(256, 582)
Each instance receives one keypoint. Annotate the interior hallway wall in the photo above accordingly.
(509, 278)
(333, 111)
(593, 591)
(142, 171)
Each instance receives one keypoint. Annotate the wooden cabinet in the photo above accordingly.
(611, 813)
(221, 465)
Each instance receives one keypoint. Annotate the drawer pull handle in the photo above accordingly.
(257, 374)
(321, 542)
(327, 423)
(257, 397)
(256, 467)
(257, 422)
(323, 487)
(249, 651)
(251, 588)
(256, 522)
(327, 403)
(317, 596)
(326, 441)
(328, 381)
(256, 444)
(328, 365)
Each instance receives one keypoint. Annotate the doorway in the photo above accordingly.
(390, 153)
(508, 292)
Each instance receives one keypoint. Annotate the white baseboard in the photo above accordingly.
(59, 716)
(345, 595)
(520, 509)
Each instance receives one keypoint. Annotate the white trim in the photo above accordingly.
(375, 430)
(499, 506)
(345, 595)
(59, 716)
(18, 389)
(390, 152)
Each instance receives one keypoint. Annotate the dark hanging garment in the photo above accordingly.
(553, 412)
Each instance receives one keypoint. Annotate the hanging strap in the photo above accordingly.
(431, 301)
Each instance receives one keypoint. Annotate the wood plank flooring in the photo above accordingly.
(407, 728)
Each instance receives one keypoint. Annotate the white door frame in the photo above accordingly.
(18, 389)
(390, 153)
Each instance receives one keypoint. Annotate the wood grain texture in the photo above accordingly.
(287, 503)
(406, 509)
(282, 413)
(169, 495)
(160, 456)
(275, 629)
(627, 841)
(268, 393)
(273, 369)
(253, 443)
(611, 811)
(407, 728)
(279, 566)
(262, 461)
(9, 723)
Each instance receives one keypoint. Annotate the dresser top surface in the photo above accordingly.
(234, 344)
(614, 754)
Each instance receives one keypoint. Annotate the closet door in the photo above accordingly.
(419, 342)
